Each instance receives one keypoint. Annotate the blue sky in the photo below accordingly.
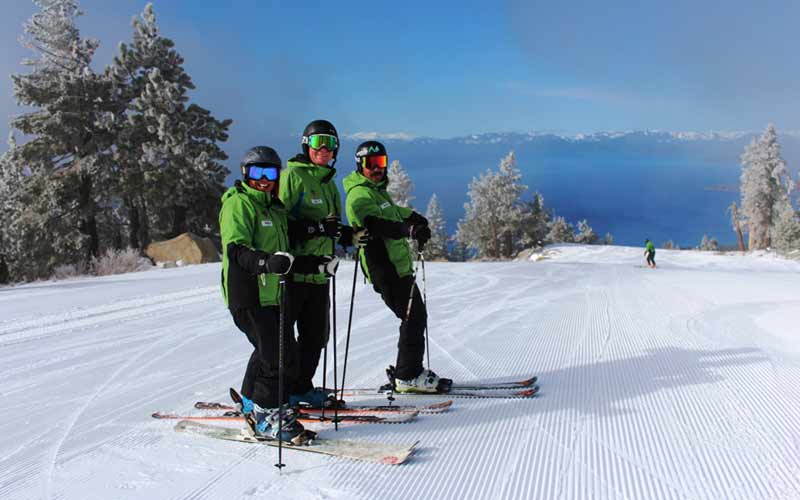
(443, 69)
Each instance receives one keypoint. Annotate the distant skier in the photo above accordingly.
(387, 260)
(650, 253)
(308, 190)
(254, 232)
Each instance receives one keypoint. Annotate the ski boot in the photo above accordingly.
(263, 423)
(267, 426)
(427, 382)
(316, 398)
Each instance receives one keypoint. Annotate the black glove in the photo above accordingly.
(422, 234)
(277, 263)
(346, 238)
(330, 226)
(416, 219)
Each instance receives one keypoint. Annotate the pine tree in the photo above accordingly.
(786, 232)
(764, 184)
(560, 231)
(535, 222)
(493, 222)
(400, 186)
(608, 239)
(170, 172)
(66, 157)
(436, 248)
(708, 244)
(586, 234)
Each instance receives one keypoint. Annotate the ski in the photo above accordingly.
(400, 418)
(390, 454)
(529, 382)
(454, 392)
(439, 407)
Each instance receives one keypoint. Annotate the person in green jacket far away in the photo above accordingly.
(650, 252)
(388, 262)
(255, 244)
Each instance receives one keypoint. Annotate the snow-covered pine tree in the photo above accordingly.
(608, 239)
(786, 231)
(400, 186)
(436, 248)
(511, 210)
(492, 224)
(708, 244)
(535, 222)
(560, 231)
(586, 234)
(178, 185)
(66, 156)
(765, 182)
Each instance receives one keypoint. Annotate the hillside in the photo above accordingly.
(679, 382)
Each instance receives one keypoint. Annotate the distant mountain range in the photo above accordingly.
(633, 184)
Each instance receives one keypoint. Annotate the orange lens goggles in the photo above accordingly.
(373, 162)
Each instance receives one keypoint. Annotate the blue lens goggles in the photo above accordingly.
(256, 172)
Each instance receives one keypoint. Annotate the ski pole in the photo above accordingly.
(281, 326)
(350, 317)
(425, 301)
(335, 364)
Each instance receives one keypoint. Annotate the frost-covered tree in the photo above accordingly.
(708, 244)
(786, 232)
(560, 231)
(765, 183)
(400, 186)
(66, 155)
(436, 248)
(492, 224)
(535, 222)
(608, 239)
(170, 175)
(586, 234)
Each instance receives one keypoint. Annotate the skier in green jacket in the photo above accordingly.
(255, 243)
(308, 190)
(650, 253)
(388, 262)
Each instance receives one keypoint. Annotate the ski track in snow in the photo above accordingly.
(667, 383)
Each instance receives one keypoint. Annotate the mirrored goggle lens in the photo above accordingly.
(256, 172)
(318, 141)
(373, 162)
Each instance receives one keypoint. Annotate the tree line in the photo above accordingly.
(110, 160)
(498, 222)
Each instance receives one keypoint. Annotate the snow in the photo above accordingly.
(678, 382)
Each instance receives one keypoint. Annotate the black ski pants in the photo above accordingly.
(309, 307)
(651, 259)
(411, 344)
(261, 325)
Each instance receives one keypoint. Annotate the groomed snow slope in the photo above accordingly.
(680, 382)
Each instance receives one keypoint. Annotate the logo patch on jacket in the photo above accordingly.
(385, 204)
(266, 223)
(316, 201)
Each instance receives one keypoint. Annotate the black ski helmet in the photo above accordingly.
(319, 127)
(369, 148)
(259, 155)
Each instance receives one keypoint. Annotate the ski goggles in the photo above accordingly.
(256, 172)
(319, 141)
(373, 162)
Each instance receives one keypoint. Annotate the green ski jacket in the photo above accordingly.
(384, 258)
(308, 192)
(250, 220)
